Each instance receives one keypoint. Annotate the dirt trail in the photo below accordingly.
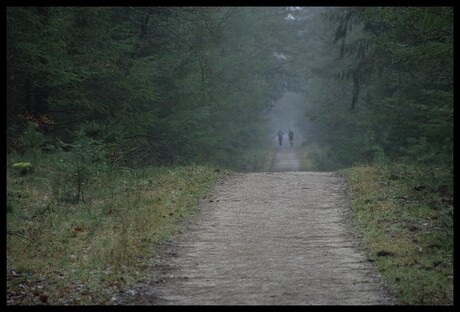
(286, 159)
(275, 238)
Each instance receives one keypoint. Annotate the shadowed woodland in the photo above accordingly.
(169, 85)
(110, 110)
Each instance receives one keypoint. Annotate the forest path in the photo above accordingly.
(273, 238)
(286, 159)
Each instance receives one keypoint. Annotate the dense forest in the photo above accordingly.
(167, 85)
(148, 85)
(120, 119)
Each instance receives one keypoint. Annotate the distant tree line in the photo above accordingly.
(167, 85)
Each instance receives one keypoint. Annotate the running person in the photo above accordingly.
(291, 136)
(280, 137)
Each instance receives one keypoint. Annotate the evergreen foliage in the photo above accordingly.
(119, 119)
(171, 85)
(385, 90)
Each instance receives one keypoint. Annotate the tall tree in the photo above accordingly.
(167, 83)
(392, 96)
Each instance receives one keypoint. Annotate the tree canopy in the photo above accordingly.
(382, 89)
(194, 84)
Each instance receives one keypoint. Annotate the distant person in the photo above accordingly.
(280, 137)
(291, 137)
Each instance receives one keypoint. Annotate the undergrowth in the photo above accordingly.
(66, 251)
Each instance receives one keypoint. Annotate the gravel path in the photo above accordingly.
(286, 159)
(275, 238)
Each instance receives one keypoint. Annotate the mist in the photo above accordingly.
(127, 124)
(178, 85)
(288, 113)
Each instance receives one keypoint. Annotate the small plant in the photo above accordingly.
(23, 167)
(32, 141)
(78, 166)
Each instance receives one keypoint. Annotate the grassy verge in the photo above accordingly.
(405, 215)
(62, 252)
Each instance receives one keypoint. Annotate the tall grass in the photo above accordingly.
(60, 251)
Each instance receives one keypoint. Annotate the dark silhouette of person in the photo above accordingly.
(291, 137)
(280, 137)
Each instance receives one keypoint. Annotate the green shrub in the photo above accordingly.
(77, 164)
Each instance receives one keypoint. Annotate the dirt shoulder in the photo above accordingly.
(278, 238)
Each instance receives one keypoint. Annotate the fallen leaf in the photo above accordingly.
(78, 229)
